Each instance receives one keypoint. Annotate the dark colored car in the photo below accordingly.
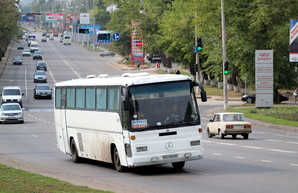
(41, 65)
(17, 61)
(20, 47)
(37, 55)
(42, 91)
(43, 40)
(107, 53)
(251, 98)
(44, 33)
(48, 36)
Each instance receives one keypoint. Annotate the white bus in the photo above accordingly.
(126, 120)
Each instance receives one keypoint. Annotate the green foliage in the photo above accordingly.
(13, 180)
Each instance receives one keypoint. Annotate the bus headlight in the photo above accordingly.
(142, 148)
(196, 142)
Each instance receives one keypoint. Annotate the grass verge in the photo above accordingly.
(14, 180)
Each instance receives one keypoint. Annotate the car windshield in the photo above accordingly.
(40, 73)
(165, 105)
(11, 92)
(42, 88)
(10, 107)
(233, 117)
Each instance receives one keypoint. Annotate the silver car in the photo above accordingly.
(11, 112)
(39, 76)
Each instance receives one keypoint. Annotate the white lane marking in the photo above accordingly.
(294, 165)
(218, 154)
(35, 136)
(230, 144)
(267, 161)
(75, 72)
(291, 142)
(239, 157)
(252, 147)
(282, 151)
(273, 140)
(26, 84)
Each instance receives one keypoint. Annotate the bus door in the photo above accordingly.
(64, 121)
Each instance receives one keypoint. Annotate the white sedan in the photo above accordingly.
(26, 53)
(224, 124)
(11, 112)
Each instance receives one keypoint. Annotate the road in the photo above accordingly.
(266, 162)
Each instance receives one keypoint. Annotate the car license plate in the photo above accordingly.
(238, 127)
(172, 156)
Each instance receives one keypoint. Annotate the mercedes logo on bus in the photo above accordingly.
(169, 146)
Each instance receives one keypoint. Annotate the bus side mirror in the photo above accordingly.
(203, 92)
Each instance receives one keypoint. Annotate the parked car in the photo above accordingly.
(12, 94)
(39, 76)
(154, 58)
(251, 98)
(41, 65)
(37, 55)
(26, 53)
(107, 53)
(224, 124)
(17, 60)
(51, 38)
(11, 112)
(44, 40)
(42, 91)
(20, 47)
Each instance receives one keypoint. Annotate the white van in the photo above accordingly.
(66, 40)
(12, 94)
(34, 46)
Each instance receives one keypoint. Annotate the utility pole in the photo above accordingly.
(224, 55)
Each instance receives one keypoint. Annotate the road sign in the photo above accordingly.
(116, 36)
(84, 31)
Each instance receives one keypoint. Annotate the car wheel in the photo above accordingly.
(234, 136)
(22, 121)
(221, 135)
(208, 133)
(178, 165)
(116, 161)
(249, 100)
(74, 152)
(245, 136)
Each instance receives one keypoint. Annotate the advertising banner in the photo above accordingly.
(28, 17)
(54, 17)
(137, 53)
(264, 78)
(84, 18)
(293, 40)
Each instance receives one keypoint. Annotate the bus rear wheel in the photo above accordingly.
(178, 165)
(74, 152)
(116, 161)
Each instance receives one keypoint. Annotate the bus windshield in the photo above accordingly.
(162, 105)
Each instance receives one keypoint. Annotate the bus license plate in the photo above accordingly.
(172, 156)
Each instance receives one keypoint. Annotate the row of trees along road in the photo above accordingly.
(9, 16)
(168, 28)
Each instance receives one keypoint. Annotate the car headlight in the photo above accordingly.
(142, 148)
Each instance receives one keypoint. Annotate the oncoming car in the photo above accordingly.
(224, 124)
(42, 91)
(39, 76)
(11, 112)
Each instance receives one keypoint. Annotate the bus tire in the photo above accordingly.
(178, 165)
(116, 160)
(74, 152)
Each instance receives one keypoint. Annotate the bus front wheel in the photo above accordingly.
(74, 152)
(178, 165)
(116, 160)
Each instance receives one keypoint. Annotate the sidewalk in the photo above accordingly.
(6, 56)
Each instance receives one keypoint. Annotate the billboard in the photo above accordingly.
(293, 40)
(84, 18)
(28, 17)
(136, 43)
(54, 17)
(72, 19)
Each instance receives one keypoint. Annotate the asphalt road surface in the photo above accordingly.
(266, 162)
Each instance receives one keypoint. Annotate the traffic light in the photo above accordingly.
(84, 31)
(199, 45)
(226, 68)
(104, 36)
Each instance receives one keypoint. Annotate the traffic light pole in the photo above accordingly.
(224, 55)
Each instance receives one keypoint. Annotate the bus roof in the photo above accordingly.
(126, 79)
